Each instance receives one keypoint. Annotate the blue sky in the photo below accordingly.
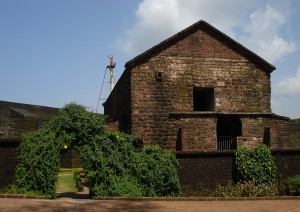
(53, 52)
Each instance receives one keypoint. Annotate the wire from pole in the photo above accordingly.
(101, 90)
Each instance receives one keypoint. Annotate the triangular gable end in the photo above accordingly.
(186, 32)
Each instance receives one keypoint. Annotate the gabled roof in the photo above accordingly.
(191, 29)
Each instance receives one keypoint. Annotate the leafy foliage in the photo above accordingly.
(295, 120)
(125, 172)
(113, 166)
(247, 189)
(256, 165)
(37, 171)
(294, 185)
(156, 172)
(77, 180)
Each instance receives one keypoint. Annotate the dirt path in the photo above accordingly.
(67, 204)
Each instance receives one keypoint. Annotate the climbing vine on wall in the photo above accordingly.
(113, 165)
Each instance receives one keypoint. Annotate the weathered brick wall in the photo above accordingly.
(253, 130)
(118, 104)
(285, 134)
(70, 158)
(199, 60)
(198, 134)
(8, 161)
(212, 168)
(204, 169)
(288, 162)
(294, 135)
(279, 134)
(16, 118)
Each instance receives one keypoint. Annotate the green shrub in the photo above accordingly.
(156, 172)
(294, 185)
(247, 189)
(114, 168)
(77, 180)
(112, 164)
(255, 165)
(38, 167)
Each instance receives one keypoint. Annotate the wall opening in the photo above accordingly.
(158, 76)
(124, 124)
(179, 140)
(203, 99)
(267, 135)
(228, 128)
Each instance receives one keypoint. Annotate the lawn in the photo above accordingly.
(65, 183)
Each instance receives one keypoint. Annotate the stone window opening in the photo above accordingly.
(203, 99)
(158, 76)
(267, 136)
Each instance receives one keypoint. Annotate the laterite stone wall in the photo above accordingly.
(200, 60)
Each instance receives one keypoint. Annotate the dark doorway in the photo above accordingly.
(228, 128)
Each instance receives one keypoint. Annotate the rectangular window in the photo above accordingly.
(203, 99)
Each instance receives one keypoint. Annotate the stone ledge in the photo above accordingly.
(10, 140)
(22, 196)
(197, 198)
(214, 113)
(274, 151)
(202, 152)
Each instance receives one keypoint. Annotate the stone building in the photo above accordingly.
(17, 118)
(199, 90)
(200, 94)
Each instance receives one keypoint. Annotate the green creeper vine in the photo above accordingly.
(113, 165)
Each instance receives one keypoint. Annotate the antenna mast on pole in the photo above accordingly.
(111, 67)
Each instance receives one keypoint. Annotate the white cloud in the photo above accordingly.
(159, 19)
(286, 106)
(263, 34)
(289, 85)
(256, 24)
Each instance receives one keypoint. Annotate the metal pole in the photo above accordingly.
(111, 67)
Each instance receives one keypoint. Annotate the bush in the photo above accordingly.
(77, 180)
(255, 165)
(113, 167)
(156, 172)
(256, 174)
(247, 189)
(38, 167)
(294, 185)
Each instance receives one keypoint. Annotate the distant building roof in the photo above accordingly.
(21, 112)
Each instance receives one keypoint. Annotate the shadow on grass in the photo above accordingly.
(74, 195)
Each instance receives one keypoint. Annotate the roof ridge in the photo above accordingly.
(250, 54)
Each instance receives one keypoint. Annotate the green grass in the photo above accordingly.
(66, 183)
(69, 170)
